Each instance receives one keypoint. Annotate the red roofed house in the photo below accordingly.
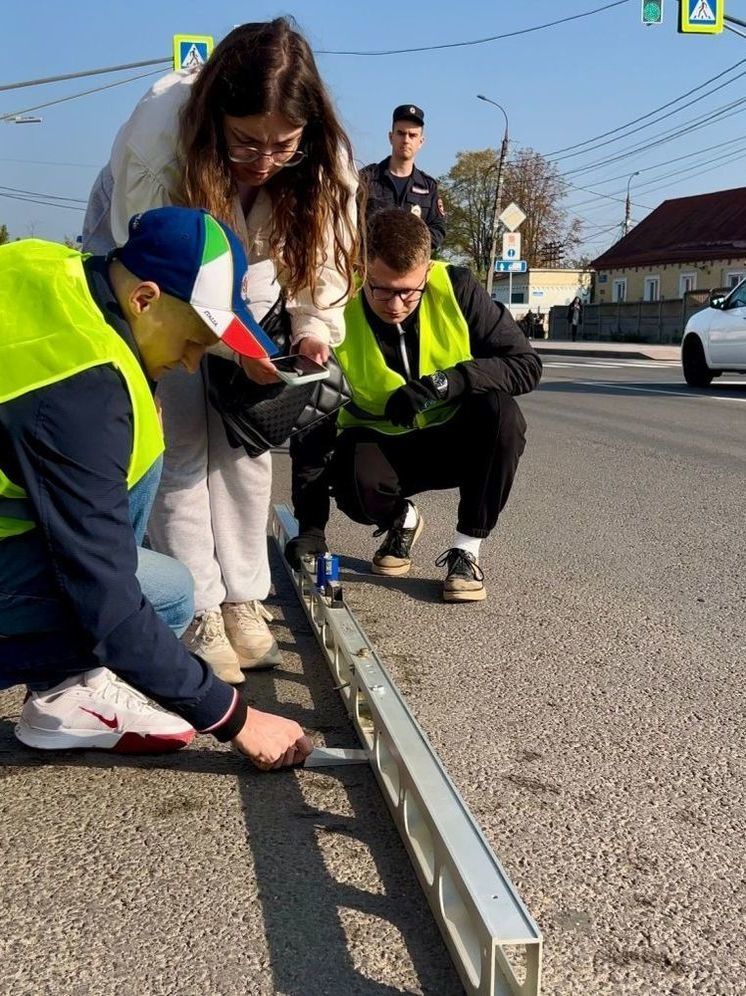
(690, 243)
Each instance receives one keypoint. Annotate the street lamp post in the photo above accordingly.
(627, 212)
(498, 194)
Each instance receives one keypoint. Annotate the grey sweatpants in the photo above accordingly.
(211, 509)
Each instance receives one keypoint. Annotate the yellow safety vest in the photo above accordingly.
(51, 329)
(444, 342)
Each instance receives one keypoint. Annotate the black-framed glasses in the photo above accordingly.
(246, 154)
(407, 295)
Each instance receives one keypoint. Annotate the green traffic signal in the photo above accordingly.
(652, 11)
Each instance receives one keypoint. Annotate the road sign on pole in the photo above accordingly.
(512, 217)
(511, 245)
(701, 17)
(192, 51)
(511, 266)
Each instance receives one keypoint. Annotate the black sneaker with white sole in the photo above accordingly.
(392, 558)
(464, 580)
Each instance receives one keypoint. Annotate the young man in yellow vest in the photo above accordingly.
(89, 622)
(434, 366)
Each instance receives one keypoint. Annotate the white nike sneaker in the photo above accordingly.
(98, 710)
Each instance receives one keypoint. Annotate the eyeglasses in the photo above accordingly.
(407, 295)
(248, 154)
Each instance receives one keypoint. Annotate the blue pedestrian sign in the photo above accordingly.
(192, 51)
(701, 17)
(511, 266)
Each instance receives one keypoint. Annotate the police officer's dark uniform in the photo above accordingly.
(419, 192)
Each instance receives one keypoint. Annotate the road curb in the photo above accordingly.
(612, 354)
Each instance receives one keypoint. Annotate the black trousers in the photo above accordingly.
(477, 451)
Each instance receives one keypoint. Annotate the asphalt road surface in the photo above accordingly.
(590, 711)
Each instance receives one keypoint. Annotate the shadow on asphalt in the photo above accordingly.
(301, 900)
(357, 571)
(304, 906)
(642, 388)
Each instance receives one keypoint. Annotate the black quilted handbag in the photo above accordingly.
(260, 416)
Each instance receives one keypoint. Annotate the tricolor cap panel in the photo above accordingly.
(195, 258)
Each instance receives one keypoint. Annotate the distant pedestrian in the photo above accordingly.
(574, 316)
(396, 182)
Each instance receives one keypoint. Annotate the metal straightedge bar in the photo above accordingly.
(495, 944)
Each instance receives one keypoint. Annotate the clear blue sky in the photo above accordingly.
(559, 86)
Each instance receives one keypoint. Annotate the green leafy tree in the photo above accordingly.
(4, 236)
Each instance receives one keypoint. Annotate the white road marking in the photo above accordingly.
(613, 364)
(653, 390)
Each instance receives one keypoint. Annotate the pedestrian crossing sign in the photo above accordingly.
(192, 51)
(701, 17)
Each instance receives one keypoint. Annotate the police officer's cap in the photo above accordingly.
(409, 112)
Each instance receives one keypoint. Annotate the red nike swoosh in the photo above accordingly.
(111, 723)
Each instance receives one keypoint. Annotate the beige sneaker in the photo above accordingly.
(246, 628)
(206, 637)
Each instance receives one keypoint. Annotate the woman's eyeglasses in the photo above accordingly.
(246, 154)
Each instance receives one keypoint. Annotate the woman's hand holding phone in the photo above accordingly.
(260, 371)
(313, 348)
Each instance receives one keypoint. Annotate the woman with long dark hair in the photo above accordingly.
(253, 138)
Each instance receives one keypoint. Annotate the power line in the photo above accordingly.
(47, 162)
(397, 51)
(34, 200)
(649, 124)
(667, 162)
(643, 117)
(477, 41)
(85, 72)
(653, 184)
(645, 169)
(695, 124)
(82, 93)
(36, 193)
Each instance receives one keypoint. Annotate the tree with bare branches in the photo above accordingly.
(531, 181)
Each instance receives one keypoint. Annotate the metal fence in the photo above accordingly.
(633, 321)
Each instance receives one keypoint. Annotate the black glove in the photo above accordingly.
(308, 543)
(411, 399)
(418, 395)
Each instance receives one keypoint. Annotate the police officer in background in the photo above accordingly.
(396, 182)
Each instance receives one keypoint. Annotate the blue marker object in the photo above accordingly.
(327, 569)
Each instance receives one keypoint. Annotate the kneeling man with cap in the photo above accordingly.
(434, 366)
(89, 622)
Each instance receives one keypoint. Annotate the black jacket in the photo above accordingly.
(503, 360)
(420, 195)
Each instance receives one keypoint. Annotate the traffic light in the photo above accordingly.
(652, 11)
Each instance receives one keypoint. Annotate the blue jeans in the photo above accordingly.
(32, 612)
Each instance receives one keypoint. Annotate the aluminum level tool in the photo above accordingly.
(495, 945)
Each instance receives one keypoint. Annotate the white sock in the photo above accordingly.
(412, 516)
(470, 543)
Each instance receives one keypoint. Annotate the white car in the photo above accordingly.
(715, 338)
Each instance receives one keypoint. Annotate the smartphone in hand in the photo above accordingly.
(296, 370)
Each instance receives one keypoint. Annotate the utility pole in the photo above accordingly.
(498, 195)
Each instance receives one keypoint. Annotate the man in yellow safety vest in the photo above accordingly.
(434, 366)
(88, 621)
